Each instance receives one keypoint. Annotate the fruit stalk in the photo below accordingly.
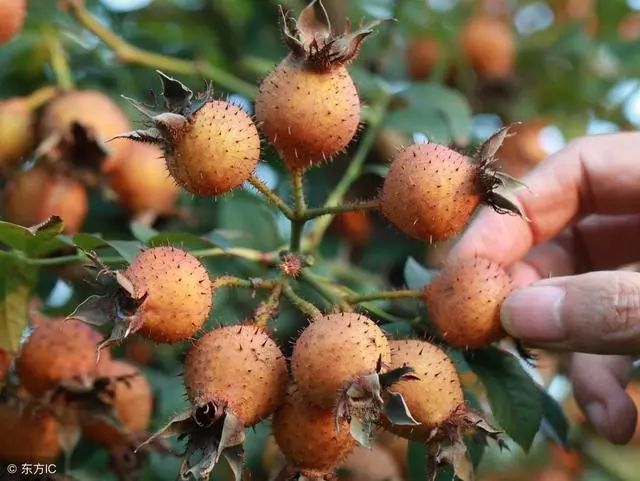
(60, 63)
(268, 307)
(376, 296)
(357, 206)
(128, 53)
(297, 223)
(301, 304)
(378, 110)
(271, 196)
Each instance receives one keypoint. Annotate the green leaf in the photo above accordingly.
(13, 235)
(515, 398)
(247, 213)
(35, 240)
(554, 421)
(416, 276)
(183, 240)
(398, 330)
(129, 250)
(443, 114)
(87, 242)
(17, 279)
(417, 461)
(142, 232)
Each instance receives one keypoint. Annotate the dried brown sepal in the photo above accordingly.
(118, 305)
(497, 187)
(289, 473)
(447, 444)
(364, 400)
(311, 38)
(211, 432)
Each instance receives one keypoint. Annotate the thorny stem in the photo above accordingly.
(301, 304)
(297, 223)
(320, 211)
(125, 52)
(352, 172)
(268, 307)
(376, 296)
(271, 196)
(60, 64)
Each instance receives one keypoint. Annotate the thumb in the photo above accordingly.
(598, 312)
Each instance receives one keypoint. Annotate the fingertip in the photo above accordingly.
(622, 416)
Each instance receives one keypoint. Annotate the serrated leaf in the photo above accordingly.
(416, 276)
(515, 398)
(554, 421)
(17, 279)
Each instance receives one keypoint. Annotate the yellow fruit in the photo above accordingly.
(16, 128)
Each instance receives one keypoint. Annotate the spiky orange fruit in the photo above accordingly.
(132, 403)
(464, 302)
(33, 196)
(215, 151)
(430, 191)
(12, 14)
(489, 45)
(58, 350)
(240, 368)
(422, 57)
(94, 111)
(308, 115)
(16, 127)
(434, 396)
(308, 436)
(27, 435)
(369, 464)
(522, 150)
(142, 182)
(333, 351)
(178, 293)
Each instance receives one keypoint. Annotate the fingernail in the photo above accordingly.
(533, 314)
(597, 415)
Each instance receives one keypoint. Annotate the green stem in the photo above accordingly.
(125, 52)
(376, 296)
(60, 64)
(358, 206)
(297, 223)
(353, 171)
(326, 289)
(301, 304)
(232, 281)
(271, 196)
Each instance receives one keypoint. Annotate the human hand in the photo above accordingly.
(584, 211)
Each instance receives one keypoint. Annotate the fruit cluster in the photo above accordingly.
(346, 377)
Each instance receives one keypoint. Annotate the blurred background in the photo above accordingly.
(457, 70)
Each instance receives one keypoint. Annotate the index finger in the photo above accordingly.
(597, 174)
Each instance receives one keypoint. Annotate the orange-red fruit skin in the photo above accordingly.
(217, 150)
(33, 196)
(422, 57)
(6, 359)
(489, 45)
(58, 350)
(464, 302)
(93, 110)
(239, 367)
(12, 15)
(431, 398)
(308, 115)
(143, 183)
(27, 436)
(16, 128)
(178, 291)
(430, 192)
(308, 437)
(334, 350)
(354, 226)
(133, 405)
